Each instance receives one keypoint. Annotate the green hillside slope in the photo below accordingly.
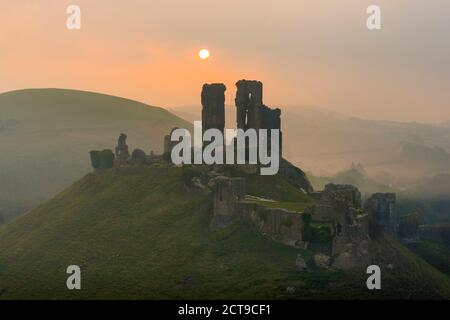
(138, 232)
(46, 134)
(435, 253)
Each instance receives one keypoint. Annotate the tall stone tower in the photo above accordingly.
(383, 207)
(122, 153)
(213, 106)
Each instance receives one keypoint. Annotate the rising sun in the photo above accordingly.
(204, 54)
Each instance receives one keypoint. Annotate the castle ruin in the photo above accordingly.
(337, 206)
(251, 113)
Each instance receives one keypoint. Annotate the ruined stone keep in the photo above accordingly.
(251, 113)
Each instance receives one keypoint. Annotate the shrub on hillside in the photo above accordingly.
(102, 159)
(106, 159)
(188, 173)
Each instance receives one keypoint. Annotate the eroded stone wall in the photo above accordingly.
(228, 193)
(249, 101)
(122, 153)
(341, 204)
(278, 224)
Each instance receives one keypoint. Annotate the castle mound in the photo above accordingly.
(138, 232)
(45, 135)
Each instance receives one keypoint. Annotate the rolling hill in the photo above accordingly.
(46, 134)
(139, 233)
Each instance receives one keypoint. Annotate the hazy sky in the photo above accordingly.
(314, 52)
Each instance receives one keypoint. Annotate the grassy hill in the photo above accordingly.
(435, 253)
(411, 159)
(138, 232)
(46, 134)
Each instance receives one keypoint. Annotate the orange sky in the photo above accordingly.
(315, 53)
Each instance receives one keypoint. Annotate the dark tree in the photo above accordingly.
(106, 159)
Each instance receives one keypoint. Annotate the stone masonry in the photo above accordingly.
(382, 207)
(228, 193)
(213, 106)
(122, 153)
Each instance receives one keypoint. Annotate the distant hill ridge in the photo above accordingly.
(46, 134)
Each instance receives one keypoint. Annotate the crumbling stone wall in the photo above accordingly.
(229, 206)
(271, 119)
(251, 113)
(249, 101)
(383, 208)
(155, 158)
(341, 204)
(228, 193)
(279, 225)
(138, 156)
(122, 153)
(336, 203)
